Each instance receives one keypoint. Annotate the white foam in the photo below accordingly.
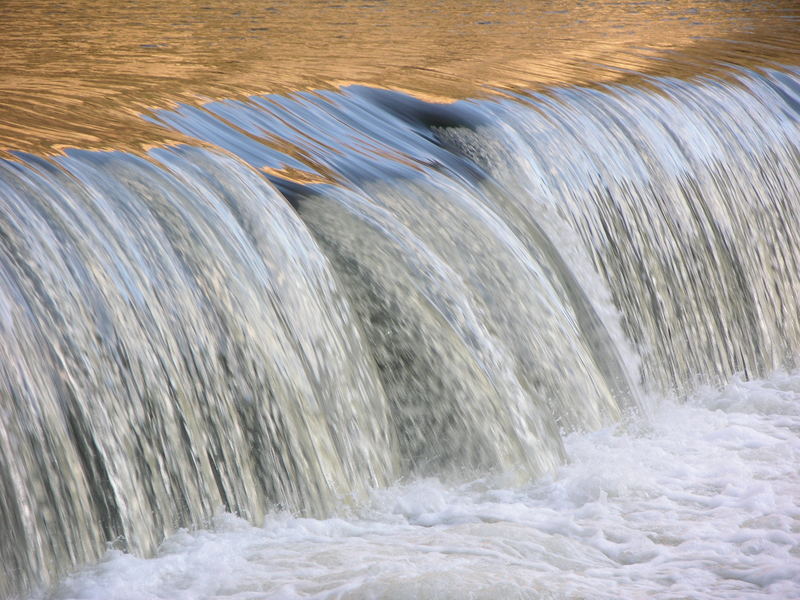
(701, 501)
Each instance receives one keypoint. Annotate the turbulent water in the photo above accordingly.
(352, 343)
(700, 502)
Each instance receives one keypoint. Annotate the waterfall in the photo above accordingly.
(332, 291)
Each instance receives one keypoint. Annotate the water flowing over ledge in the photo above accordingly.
(332, 291)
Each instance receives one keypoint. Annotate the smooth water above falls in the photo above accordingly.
(348, 342)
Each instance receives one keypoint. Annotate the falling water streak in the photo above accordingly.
(686, 215)
(474, 279)
(169, 350)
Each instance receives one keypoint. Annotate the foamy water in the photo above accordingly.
(700, 500)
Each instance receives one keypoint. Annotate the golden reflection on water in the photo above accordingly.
(79, 73)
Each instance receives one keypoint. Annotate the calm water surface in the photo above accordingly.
(78, 73)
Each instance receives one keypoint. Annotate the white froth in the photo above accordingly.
(700, 501)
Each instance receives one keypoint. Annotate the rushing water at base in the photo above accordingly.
(698, 502)
(350, 342)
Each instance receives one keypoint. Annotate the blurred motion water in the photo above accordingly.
(399, 271)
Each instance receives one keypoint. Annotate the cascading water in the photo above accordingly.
(317, 295)
(168, 350)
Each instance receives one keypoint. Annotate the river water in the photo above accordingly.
(398, 300)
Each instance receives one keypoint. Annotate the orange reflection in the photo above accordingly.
(79, 73)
